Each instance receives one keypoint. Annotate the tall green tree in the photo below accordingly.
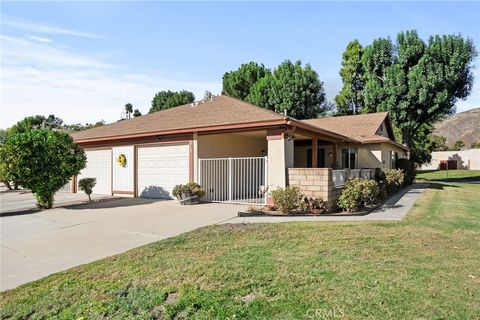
(350, 98)
(238, 83)
(417, 82)
(377, 58)
(292, 89)
(169, 99)
(128, 110)
(41, 160)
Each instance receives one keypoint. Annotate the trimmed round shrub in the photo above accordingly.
(408, 168)
(287, 200)
(41, 160)
(86, 185)
(358, 193)
(395, 179)
(192, 188)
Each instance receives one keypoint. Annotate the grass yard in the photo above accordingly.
(425, 267)
(450, 175)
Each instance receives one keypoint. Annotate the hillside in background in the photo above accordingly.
(463, 126)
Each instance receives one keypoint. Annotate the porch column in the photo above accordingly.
(280, 157)
(314, 152)
(334, 155)
(195, 177)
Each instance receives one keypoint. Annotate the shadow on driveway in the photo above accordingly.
(96, 204)
(112, 203)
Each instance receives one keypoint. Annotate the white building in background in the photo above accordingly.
(461, 160)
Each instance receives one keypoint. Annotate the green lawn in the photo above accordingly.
(425, 267)
(450, 175)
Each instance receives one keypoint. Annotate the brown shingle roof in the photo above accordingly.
(223, 110)
(361, 127)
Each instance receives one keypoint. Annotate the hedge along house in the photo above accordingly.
(238, 152)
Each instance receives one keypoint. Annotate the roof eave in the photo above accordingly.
(390, 141)
(317, 129)
(255, 124)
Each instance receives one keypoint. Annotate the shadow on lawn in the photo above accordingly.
(471, 179)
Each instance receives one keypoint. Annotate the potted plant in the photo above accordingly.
(188, 193)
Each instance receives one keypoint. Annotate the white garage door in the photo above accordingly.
(99, 166)
(160, 169)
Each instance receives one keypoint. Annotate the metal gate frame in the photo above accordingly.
(234, 180)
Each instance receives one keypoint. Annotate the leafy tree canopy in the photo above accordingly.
(137, 113)
(41, 160)
(80, 127)
(417, 82)
(36, 122)
(50, 122)
(169, 99)
(439, 143)
(208, 96)
(238, 83)
(291, 88)
(350, 98)
(475, 145)
(459, 145)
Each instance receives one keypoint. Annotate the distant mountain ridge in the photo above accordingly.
(463, 126)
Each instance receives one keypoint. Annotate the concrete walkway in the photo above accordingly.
(395, 208)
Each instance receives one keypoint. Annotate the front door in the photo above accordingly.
(320, 158)
(123, 170)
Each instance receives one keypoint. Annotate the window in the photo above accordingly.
(320, 158)
(349, 158)
(393, 159)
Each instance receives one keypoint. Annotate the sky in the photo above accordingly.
(83, 61)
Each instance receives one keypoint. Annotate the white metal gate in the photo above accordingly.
(234, 180)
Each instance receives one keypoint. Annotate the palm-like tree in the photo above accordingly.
(128, 110)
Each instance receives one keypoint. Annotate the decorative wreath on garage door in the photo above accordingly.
(122, 160)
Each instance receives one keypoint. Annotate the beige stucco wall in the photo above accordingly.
(231, 145)
(468, 159)
(386, 160)
(374, 155)
(370, 156)
(280, 157)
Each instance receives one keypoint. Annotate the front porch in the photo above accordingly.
(244, 166)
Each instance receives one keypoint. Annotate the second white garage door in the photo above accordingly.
(161, 168)
(99, 166)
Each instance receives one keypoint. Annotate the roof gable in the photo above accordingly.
(362, 127)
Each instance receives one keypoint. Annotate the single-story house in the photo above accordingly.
(235, 150)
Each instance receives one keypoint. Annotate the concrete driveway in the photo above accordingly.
(23, 200)
(38, 244)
